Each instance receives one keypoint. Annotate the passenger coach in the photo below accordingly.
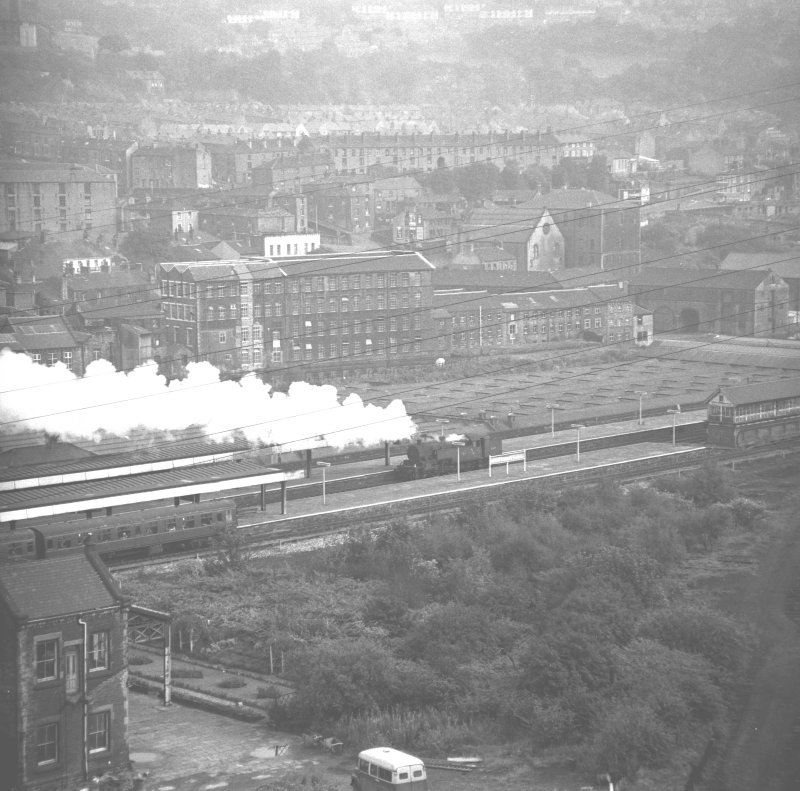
(745, 416)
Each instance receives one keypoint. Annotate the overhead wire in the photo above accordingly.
(503, 368)
(504, 157)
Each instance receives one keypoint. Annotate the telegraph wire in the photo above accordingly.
(610, 207)
(469, 297)
(504, 157)
(504, 368)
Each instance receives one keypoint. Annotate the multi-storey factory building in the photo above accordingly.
(260, 314)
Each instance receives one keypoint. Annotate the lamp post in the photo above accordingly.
(578, 426)
(552, 408)
(458, 445)
(674, 413)
(442, 421)
(641, 394)
(324, 465)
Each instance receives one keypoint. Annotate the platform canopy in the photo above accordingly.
(187, 482)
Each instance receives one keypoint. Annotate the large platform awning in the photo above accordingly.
(187, 482)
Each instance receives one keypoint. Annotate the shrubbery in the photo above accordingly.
(554, 619)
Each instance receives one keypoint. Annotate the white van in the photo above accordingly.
(383, 769)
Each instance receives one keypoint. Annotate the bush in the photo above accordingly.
(181, 673)
(270, 691)
(232, 683)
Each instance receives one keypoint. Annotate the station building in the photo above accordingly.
(64, 717)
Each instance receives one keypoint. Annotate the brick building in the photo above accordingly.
(535, 241)
(290, 174)
(321, 308)
(169, 167)
(747, 302)
(46, 340)
(54, 198)
(352, 153)
(599, 231)
(63, 624)
(471, 320)
(340, 204)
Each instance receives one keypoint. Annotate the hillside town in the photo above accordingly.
(108, 215)
(296, 203)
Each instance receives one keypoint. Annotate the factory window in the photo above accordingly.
(223, 338)
(392, 301)
(243, 289)
(381, 302)
(245, 335)
(257, 332)
(587, 323)
(598, 323)
(245, 311)
(66, 358)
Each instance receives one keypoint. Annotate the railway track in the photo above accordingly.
(288, 530)
(301, 530)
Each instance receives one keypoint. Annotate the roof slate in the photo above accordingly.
(762, 391)
(54, 587)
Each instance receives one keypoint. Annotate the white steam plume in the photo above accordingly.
(53, 399)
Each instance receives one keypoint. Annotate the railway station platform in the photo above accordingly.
(396, 492)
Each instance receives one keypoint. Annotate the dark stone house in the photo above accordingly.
(63, 673)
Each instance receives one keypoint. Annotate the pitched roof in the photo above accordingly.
(494, 280)
(44, 332)
(762, 391)
(698, 278)
(783, 264)
(564, 199)
(55, 587)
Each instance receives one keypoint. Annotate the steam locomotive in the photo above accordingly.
(430, 455)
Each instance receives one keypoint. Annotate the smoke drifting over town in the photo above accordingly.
(53, 399)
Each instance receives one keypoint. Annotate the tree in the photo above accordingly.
(478, 180)
(114, 42)
(146, 246)
(697, 630)
(511, 177)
